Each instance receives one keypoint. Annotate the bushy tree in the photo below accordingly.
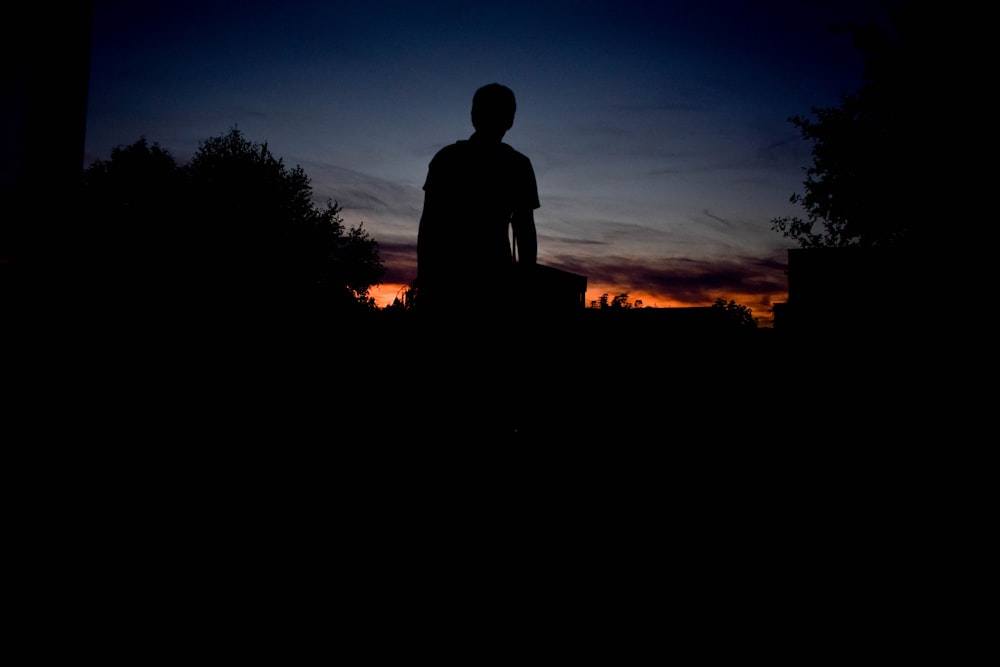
(233, 227)
(735, 315)
(129, 202)
(138, 181)
(265, 232)
(871, 165)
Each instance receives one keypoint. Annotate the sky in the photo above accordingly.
(659, 131)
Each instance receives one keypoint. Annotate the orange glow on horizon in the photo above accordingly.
(386, 293)
(759, 304)
(648, 299)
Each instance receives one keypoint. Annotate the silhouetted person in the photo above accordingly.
(477, 191)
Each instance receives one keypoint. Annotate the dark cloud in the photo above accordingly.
(400, 260)
(691, 281)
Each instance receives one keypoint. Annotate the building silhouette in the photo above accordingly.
(849, 290)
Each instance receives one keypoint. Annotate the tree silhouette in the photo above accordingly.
(735, 315)
(129, 202)
(233, 227)
(406, 299)
(869, 167)
(620, 302)
(261, 228)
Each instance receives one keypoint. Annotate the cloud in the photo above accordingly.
(695, 282)
(389, 210)
(400, 260)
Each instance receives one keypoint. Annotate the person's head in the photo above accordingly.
(493, 108)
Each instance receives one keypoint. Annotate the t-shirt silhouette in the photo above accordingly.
(473, 187)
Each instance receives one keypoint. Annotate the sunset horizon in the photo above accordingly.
(760, 306)
(659, 136)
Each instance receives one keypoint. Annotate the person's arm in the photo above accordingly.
(429, 241)
(424, 231)
(525, 236)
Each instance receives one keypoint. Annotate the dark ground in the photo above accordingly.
(568, 381)
(742, 467)
(560, 384)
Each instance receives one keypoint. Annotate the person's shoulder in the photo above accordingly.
(451, 150)
(514, 154)
(455, 147)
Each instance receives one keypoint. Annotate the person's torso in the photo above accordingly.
(477, 187)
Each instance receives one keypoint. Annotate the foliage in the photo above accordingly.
(619, 302)
(868, 170)
(406, 300)
(138, 176)
(734, 314)
(128, 203)
(234, 224)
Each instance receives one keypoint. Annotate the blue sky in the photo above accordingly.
(658, 131)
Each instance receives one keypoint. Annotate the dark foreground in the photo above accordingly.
(553, 381)
(399, 381)
(743, 475)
